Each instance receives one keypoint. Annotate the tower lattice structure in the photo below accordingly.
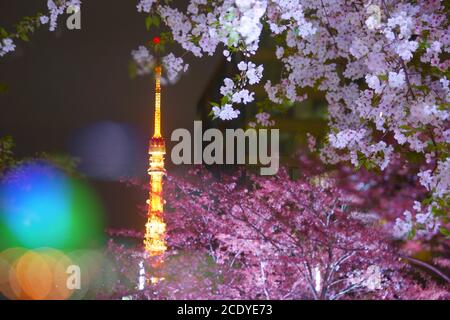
(155, 228)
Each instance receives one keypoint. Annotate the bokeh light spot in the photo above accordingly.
(40, 206)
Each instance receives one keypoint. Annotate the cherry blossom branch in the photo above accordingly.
(427, 266)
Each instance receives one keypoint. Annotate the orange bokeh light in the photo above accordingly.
(34, 274)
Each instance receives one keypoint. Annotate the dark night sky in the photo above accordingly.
(63, 81)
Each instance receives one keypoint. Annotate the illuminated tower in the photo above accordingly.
(155, 227)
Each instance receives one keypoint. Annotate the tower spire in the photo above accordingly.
(155, 228)
(157, 132)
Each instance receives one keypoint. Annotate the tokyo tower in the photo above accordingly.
(155, 228)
